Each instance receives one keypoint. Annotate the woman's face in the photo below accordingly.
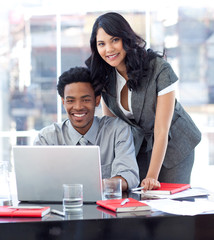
(111, 49)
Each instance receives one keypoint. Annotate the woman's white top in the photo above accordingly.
(121, 81)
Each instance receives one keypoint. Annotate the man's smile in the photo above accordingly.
(79, 115)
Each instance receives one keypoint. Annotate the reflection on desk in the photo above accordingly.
(129, 228)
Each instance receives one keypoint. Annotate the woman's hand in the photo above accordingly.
(150, 183)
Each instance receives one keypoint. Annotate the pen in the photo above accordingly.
(57, 212)
(124, 201)
(138, 188)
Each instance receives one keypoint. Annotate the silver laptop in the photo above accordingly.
(42, 170)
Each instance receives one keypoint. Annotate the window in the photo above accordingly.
(37, 43)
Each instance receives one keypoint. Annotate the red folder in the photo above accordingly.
(131, 205)
(169, 188)
(7, 211)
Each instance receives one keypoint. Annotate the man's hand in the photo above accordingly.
(124, 183)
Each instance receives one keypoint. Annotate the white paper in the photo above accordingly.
(181, 207)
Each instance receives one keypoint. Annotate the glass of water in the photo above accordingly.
(112, 188)
(72, 196)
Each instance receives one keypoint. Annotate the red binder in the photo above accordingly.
(7, 211)
(131, 205)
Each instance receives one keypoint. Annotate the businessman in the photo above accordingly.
(112, 134)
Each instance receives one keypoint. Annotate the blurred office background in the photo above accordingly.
(39, 39)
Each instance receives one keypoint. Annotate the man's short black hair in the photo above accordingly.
(74, 75)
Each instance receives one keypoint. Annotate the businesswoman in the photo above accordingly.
(138, 86)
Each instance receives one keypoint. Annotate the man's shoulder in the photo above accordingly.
(113, 121)
(54, 127)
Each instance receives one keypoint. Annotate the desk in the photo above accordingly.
(159, 228)
(95, 223)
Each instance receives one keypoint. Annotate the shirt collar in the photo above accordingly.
(120, 81)
(90, 135)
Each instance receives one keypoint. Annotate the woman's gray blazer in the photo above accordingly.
(183, 134)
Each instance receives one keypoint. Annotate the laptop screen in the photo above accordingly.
(42, 170)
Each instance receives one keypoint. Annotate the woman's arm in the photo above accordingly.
(106, 110)
(163, 118)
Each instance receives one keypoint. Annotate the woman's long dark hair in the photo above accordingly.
(137, 57)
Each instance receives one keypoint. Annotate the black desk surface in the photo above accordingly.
(94, 222)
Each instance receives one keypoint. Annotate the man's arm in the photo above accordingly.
(125, 165)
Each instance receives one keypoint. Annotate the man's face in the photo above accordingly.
(79, 102)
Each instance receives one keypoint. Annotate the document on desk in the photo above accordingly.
(191, 192)
(181, 207)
